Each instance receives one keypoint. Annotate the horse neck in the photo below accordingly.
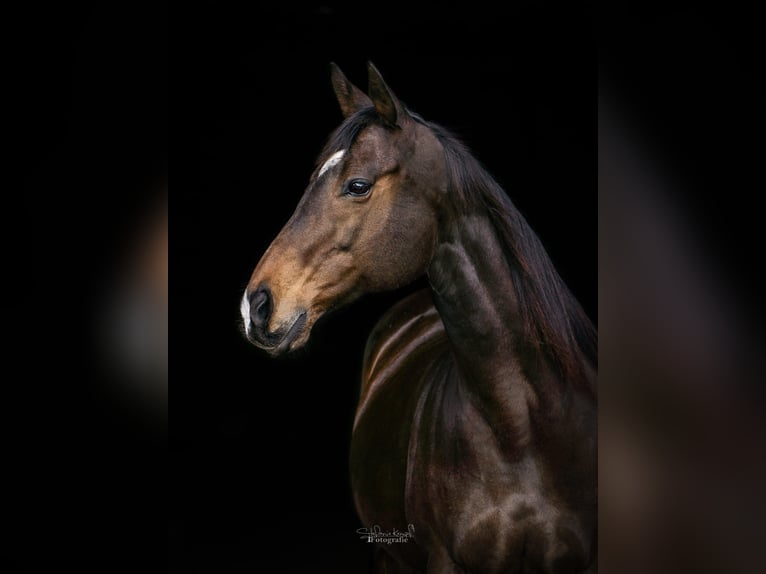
(474, 292)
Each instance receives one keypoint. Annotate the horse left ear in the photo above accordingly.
(384, 100)
(350, 98)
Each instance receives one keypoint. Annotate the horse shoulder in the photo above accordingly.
(400, 357)
(404, 337)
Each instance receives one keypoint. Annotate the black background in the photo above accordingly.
(254, 475)
(259, 447)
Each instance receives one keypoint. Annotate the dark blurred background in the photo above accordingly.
(259, 447)
(85, 128)
(681, 426)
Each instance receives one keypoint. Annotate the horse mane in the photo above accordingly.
(554, 323)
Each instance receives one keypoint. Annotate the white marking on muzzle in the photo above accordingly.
(331, 162)
(244, 308)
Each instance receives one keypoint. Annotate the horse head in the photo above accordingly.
(367, 221)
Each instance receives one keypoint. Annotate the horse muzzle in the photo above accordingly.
(258, 315)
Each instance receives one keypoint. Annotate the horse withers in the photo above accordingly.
(476, 422)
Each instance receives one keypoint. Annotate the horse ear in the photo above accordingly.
(350, 98)
(384, 100)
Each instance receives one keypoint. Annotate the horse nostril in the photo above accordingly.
(261, 306)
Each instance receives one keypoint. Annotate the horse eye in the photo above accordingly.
(358, 188)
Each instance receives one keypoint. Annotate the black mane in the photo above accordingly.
(555, 323)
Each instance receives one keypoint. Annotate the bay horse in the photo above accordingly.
(476, 422)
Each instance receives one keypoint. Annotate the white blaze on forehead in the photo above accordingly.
(244, 308)
(331, 162)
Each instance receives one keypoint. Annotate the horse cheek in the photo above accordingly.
(403, 253)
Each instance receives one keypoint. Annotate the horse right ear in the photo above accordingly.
(350, 98)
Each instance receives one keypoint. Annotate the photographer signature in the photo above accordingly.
(395, 536)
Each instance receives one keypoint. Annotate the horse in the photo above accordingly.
(475, 430)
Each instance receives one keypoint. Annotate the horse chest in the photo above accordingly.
(379, 461)
(378, 458)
